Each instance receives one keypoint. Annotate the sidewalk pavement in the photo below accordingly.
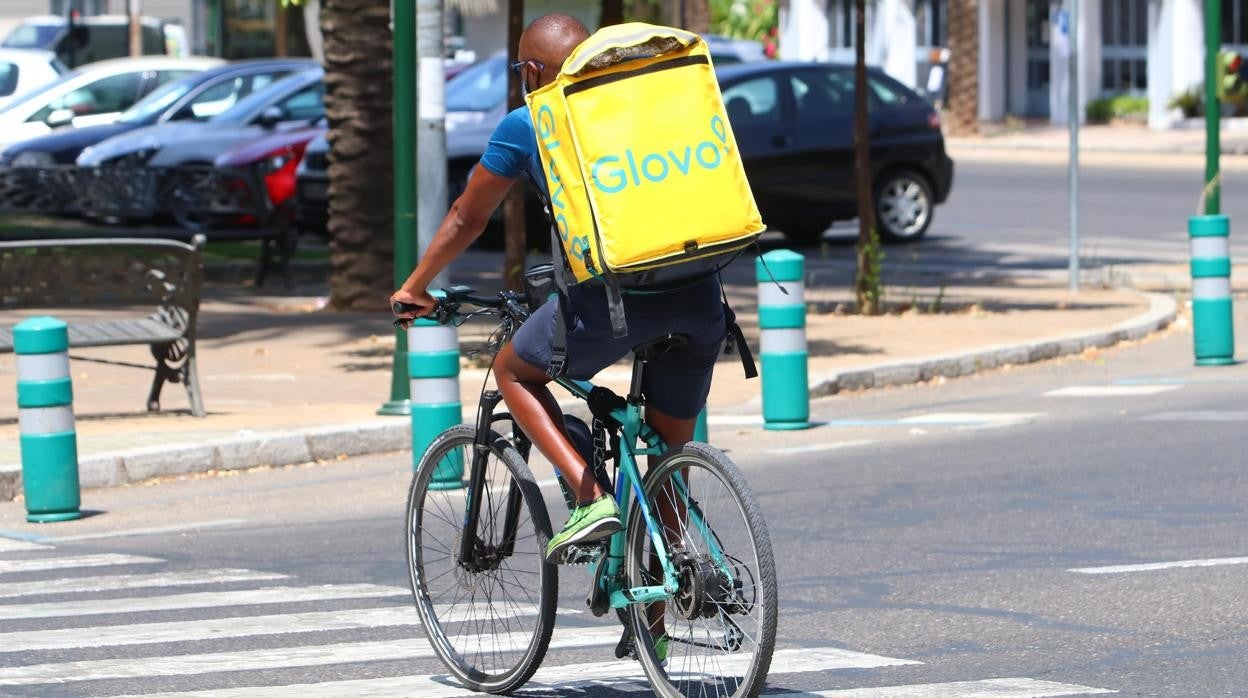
(287, 382)
(1116, 138)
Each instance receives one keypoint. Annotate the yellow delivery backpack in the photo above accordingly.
(646, 186)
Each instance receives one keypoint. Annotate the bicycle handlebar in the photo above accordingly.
(446, 308)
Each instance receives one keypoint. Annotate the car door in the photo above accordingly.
(823, 142)
(757, 112)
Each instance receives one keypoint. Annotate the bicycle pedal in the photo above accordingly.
(582, 554)
(625, 647)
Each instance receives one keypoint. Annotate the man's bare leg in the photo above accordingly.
(524, 388)
(675, 432)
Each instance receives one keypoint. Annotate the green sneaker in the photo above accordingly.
(594, 521)
(660, 648)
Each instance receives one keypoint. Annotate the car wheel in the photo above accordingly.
(903, 206)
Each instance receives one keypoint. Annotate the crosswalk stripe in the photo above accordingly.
(976, 419)
(216, 628)
(561, 679)
(9, 545)
(817, 448)
(63, 563)
(282, 657)
(77, 585)
(207, 599)
(988, 688)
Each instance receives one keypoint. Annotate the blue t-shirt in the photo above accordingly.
(512, 150)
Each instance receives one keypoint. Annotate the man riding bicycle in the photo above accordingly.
(676, 382)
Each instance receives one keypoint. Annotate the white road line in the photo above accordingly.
(281, 657)
(63, 563)
(988, 688)
(1111, 390)
(78, 585)
(735, 420)
(9, 545)
(559, 679)
(1198, 416)
(971, 418)
(217, 628)
(815, 448)
(1148, 567)
(207, 599)
(149, 531)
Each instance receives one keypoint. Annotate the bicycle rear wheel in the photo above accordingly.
(490, 624)
(721, 624)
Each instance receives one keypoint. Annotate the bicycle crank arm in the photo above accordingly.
(626, 597)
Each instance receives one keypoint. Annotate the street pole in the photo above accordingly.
(404, 43)
(431, 135)
(1072, 108)
(1213, 138)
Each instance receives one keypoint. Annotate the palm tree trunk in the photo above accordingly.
(696, 16)
(358, 100)
(964, 66)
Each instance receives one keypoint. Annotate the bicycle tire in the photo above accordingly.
(457, 659)
(763, 578)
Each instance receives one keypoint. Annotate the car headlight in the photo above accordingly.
(33, 158)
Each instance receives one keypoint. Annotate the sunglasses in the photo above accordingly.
(519, 65)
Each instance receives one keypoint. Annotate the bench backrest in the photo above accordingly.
(164, 274)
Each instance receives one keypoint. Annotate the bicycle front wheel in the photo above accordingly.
(720, 627)
(489, 619)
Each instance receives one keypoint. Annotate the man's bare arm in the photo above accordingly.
(463, 223)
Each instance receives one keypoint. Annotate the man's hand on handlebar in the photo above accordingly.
(416, 304)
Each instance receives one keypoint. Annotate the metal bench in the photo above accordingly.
(117, 272)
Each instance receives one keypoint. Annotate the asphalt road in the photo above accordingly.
(937, 531)
(1015, 216)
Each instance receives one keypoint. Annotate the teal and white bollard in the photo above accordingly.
(782, 325)
(433, 366)
(45, 408)
(699, 428)
(1213, 325)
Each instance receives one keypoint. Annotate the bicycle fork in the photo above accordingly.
(474, 554)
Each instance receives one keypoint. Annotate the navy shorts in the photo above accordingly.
(677, 382)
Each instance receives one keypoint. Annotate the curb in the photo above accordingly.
(244, 451)
(1161, 312)
(379, 436)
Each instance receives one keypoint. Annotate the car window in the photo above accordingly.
(821, 95)
(111, 94)
(32, 36)
(755, 101)
(217, 98)
(305, 105)
(155, 103)
(884, 93)
(8, 78)
(480, 87)
(164, 76)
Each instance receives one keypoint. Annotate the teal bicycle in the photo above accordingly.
(690, 574)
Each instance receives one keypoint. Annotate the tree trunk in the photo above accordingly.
(612, 13)
(515, 237)
(696, 16)
(358, 100)
(964, 67)
(866, 280)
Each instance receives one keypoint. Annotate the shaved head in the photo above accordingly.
(549, 40)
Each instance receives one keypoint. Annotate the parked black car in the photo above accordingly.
(794, 125)
(193, 98)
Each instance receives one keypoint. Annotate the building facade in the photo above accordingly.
(1153, 48)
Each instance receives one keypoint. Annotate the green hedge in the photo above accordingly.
(1106, 109)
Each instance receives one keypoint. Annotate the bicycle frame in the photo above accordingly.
(633, 430)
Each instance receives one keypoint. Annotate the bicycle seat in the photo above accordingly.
(655, 347)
